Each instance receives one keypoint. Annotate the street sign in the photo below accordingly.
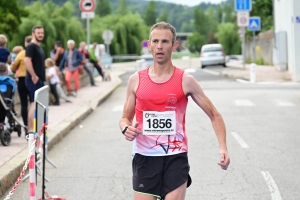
(243, 5)
(254, 24)
(145, 43)
(107, 36)
(87, 5)
(87, 15)
(297, 19)
(242, 18)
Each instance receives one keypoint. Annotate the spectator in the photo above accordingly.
(94, 60)
(85, 55)
(16, 50)
(36, 75)
(4, 55)
(57, 53)
(70, 65)
(53, 79)
(19, 68)
(59, 89)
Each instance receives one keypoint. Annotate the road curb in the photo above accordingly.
(10, 171)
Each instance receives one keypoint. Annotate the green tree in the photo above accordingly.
(195, 42)
(10, 17)
(103, 8)
(58, 22)
(164, 16)
(201, 22)
(263, 9)
(150, 15)
(129, 31)
(228, 36)
(122, 9)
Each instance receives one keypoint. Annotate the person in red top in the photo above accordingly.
(158, 97)
(85, 55)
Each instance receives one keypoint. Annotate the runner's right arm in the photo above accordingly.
(129, 109)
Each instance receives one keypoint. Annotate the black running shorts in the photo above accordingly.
(159, 175)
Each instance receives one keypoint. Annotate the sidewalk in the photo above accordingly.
(263, 73)
(61, 120)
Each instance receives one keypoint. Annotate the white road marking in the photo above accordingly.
(275, 194)
(243, 102)
(211, 72)
(240, 140)
(283, 103)
(118, 108)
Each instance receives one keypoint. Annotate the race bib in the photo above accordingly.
(159, 123)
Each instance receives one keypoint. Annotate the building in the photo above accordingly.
(287, 36)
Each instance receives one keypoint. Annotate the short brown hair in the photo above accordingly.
(3, 40)
(17, 49)
(28, 38)
(36, 27)
(164, 26)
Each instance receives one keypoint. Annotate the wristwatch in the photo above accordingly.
(124, 130)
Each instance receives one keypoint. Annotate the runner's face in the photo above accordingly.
(39, 34)
(161, 46)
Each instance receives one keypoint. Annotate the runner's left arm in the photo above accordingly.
(192, 88)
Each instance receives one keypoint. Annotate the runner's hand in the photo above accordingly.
(35, 79)
(132, 132)
(224, 159)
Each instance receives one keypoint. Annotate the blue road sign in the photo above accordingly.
(243, 5)
(254, 24)
(297, 19)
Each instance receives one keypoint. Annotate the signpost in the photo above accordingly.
(243, 7)
(87, 8)
(107, 36)
(254, 25)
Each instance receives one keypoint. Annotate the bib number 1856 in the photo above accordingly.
(159, 123)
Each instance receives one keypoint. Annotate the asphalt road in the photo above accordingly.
(262, 121)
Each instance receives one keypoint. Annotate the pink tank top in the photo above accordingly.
(161, 97)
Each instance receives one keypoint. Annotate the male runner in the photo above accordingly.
(35, 65)
(158, 97)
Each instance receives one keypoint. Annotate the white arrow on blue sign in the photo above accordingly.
(243, 5)
(254, 24)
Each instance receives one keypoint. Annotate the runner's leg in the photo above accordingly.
(178, 193)
(139, 196)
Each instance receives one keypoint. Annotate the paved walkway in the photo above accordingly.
(56, 115)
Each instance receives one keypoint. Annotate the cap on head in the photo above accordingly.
(58, 43)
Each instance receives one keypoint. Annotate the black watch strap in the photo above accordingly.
(124, 130)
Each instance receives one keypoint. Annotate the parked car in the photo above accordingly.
(212, 54)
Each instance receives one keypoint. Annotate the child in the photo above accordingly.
(4, 55)
(51, 74)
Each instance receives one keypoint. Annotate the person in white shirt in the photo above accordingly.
(53, 78)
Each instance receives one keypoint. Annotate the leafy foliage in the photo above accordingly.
(150, 16)
(227, 36)
(122, 9)
(103, 8)
(10, 17)
(128, 30)
(264, 9)
(58, 22)
(195, 42)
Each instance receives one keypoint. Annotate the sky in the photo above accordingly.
(192, 2)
